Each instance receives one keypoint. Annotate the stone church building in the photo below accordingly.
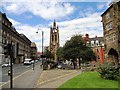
(54, 40)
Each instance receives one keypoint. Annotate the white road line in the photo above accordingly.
(15, 77)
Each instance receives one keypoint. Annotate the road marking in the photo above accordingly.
(55, 78)
(15, 78)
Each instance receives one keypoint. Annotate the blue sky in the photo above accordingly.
(72, 18)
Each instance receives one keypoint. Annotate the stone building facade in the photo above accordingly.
(1, 39)
(111, 29)
(33, 51)
(21, 44)
(54, 40)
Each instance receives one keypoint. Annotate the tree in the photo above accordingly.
(88, 54)
(60, 53)
(75, 49)
(47, 54)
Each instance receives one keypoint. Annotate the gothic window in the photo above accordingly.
(55, 37)
(108, 26)
(114, 37)
(107, 16)
(52, 38)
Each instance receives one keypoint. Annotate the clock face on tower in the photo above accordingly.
(54, 30)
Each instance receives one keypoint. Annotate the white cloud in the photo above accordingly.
(100, 6)
(46, 10)
(12, 7)
(91, 25)
(30, 32)
(15, 23)
(59, 0)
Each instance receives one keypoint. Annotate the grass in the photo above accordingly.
(89, 80)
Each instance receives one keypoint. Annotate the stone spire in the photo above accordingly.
(54, 24)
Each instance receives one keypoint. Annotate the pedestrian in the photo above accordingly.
(74, 64)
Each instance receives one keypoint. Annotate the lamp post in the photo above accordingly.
(42, 41)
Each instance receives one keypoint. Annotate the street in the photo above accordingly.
(20, 72)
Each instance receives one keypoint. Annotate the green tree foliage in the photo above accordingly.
(72, 48)
(47, 54)
(75, 48)
(60, 53)
(87, 54)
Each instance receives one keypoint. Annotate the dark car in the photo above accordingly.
(61, 65)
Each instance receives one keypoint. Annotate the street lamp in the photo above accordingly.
(42, 41)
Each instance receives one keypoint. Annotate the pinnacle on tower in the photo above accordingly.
(57, 26)
(54, 24)
(50, 27)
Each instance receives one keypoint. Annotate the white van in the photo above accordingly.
(27, 61)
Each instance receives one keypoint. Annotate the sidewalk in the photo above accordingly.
(55, 78)
(25, 80)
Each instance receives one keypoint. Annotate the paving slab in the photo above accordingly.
(55, 78)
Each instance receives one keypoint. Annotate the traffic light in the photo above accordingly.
(9, 46)
(7, 49)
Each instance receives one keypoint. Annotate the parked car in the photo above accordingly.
(27, 61)
(62, 65)
(32, 62)
(36, 61)
(6, 64)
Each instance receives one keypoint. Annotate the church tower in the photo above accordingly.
(54, 40)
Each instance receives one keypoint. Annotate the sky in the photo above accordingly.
(71, 16)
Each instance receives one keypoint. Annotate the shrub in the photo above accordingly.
(45, 65)
(108, 71)
(48, 62)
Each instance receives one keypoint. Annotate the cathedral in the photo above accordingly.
(54, 40)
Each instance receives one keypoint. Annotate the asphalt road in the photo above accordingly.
(20, 74)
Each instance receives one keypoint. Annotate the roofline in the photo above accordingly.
(107, 10)
(110, 7)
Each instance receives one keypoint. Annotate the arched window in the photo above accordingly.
(52, 38)
(55, 37)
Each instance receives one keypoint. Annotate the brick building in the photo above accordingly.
(97, 44)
